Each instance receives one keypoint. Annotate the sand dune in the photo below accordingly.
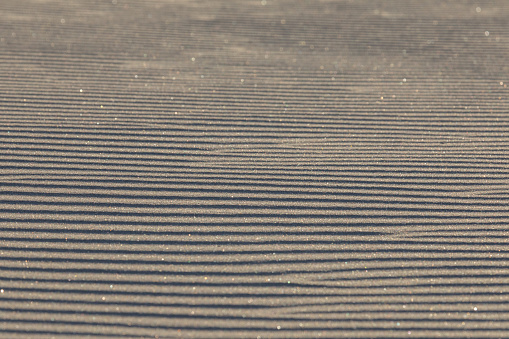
(254, 169)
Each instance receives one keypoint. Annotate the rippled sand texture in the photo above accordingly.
(244, 169)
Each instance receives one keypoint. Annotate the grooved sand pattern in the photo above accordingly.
(244, 169)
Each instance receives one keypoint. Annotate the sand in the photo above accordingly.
(254, 169)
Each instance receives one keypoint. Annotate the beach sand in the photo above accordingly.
(254, 169)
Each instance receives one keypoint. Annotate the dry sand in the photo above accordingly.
(245, 169)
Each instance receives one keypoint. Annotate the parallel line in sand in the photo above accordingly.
(254, 168)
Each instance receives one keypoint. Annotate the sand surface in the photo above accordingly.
(254, 169)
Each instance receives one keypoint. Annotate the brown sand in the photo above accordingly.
(244, 169)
